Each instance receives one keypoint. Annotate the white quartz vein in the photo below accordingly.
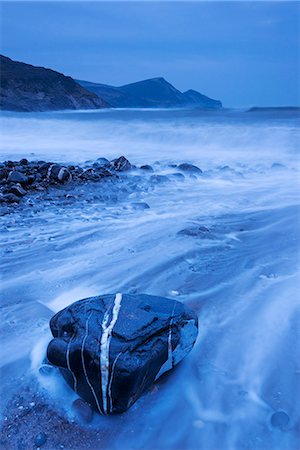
(104, 353)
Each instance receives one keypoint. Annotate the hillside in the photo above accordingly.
(151, 93)
(24, 87)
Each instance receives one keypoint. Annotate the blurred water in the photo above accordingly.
(242, 276)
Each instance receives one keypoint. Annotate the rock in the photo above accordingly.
(140, 205)
(89, 175)
(147, 168)
(159, 179)
(280, 419)
(40, 439)
(3, 174)
(185, 167)
(121, 164)
(9, 198)
(111, 348)
(196, 231)
(83, 410)
(17, 190)
(56, 172)
(103, 162)
(17, 177)
(24, 162)
(177, 176)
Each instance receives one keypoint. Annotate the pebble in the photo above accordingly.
(40, 439)
(280, 419)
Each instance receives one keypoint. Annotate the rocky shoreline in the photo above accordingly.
(20, 180)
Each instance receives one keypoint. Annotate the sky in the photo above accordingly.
(242, 53)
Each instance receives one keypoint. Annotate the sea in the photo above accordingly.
(226, 243)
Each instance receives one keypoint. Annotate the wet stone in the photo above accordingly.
(40, 439)
(190, 168)
(147, 168)
(9, 198)
(121, 164)
(159, 179)
(111, 348)
(280, 419)
(17, 177)
(17, 190)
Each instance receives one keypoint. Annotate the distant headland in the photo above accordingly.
(30, 88)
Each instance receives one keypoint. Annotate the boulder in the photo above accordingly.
(147, 168)
(17, 190)
(111, 348)
(190, 168)
(9, 198)
(121, 164)
(17, 177)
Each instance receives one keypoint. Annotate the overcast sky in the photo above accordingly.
(243, 53)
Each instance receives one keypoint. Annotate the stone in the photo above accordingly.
(17, 190)
(185, 167)
(280, 419)
(56, 172)
(3, 174)
(111, 348)
(89, 175)
(24, 162)
(121, 164)
(17, 177)
(159, 179)
(9, 198)
(40, 439)
(195, 231)
(147, 168)
(103, 162)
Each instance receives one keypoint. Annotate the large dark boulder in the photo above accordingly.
(111, 348)
(121, 164)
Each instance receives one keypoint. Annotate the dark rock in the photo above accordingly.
(196, 231)
(178, 176)
(89, 175)
(58, 173)
(111, 348)
(140, 205)
(185, 167)
(9, 198)
(31, 179)
(159, 179)
(121, 164)
(103, 162)
(3, 174)
(17, 190)
(43, 168)
(147, 168)
(71, 168)
(17, 177)
(40, 439)
(24, 162)
(83, 410)
(280, 419)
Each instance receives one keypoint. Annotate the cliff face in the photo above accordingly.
(24, 87)
(152, 93)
